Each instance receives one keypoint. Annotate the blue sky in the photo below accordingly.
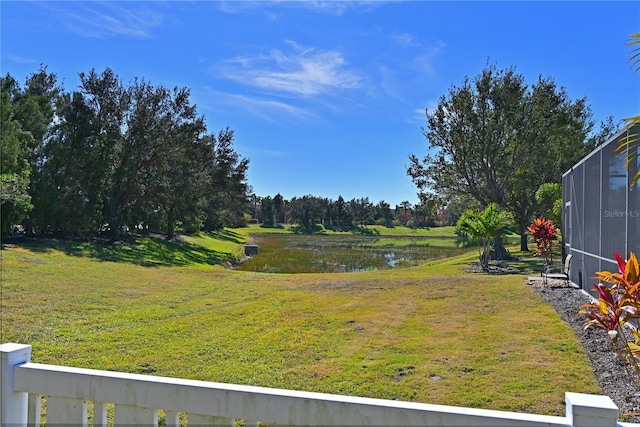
(328, 98)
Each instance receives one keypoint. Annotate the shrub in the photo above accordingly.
(615, 309)
(381, 221)
(544, 232)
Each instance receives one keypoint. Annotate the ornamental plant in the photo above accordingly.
(544, 232)
(618, 304)
(484, 226)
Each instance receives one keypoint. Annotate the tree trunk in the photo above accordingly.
(524, 246)
(485, 256)
(499, 252)
(170, 224)
(114, 224)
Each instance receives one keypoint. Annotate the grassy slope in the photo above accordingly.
(376, 229)
(431, 334)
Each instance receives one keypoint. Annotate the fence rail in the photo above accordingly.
(76, 396)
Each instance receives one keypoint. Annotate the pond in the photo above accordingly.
(333, 253)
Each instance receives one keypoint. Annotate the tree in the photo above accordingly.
(340, 207)
(267, 211)
(278, 207)
(484, 226)
(383, 213)
(16, 141)
(68, 190)
(455, 205)
(474, 132)
(306, 210)
(629, 144)
(15, 201)
(228, 194)
(427, 210)
(108, 101)
(327, 213)
(549, 198)
(26, 113)
(495, 139)
(406, 212)
(37, 105)
(110, 157)
(179, 175)
(363, 209)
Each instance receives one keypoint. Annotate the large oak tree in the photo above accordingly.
(496, 139)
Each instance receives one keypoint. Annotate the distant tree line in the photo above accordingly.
(110, 158)
(309, 211)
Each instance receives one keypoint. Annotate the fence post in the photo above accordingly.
(13, 405)
(591, 410)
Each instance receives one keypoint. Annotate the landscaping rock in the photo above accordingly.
(608, 369)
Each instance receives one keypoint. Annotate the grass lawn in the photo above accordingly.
(432, 333)
(374, 229)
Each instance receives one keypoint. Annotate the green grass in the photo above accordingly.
(224, 241)
(432, 333)
(435, 236)
(450, 242)
(436, 232)
(396, 236)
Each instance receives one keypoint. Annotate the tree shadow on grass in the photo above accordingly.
(311, 229)
(228, 235)
(532, 262)
(144, 251)
(524, 264)
(365, 231)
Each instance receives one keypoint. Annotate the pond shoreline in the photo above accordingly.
(341, 253)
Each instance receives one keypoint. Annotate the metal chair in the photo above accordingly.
(559, 274)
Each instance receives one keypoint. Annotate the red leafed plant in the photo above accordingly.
(618, 304)
(544, 232)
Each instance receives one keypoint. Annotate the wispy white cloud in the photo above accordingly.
(388, 82)
(419, 116)
(403, 39)
(430, 106)
(20, 59)
(327, 7)
(423, 63)
(264, 152)
(406, 67)
(337, 7)
(107, 19)
(266, 109)
(237, 6)
(301, 71)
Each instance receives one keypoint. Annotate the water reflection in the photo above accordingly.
(293, 253)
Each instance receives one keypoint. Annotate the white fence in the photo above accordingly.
(82, 396)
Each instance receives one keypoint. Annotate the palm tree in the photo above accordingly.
(484, 226)
(405, 206)
(278, 207)
(629, 144)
